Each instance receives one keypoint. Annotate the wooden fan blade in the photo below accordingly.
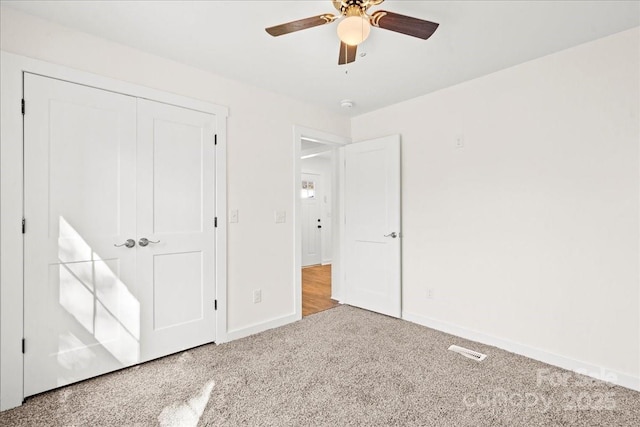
(301, 24)
(403, 24)
(347, 53)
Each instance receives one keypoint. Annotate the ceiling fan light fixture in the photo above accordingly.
(355, 25)
(353, 30)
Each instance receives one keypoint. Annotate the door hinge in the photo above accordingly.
(23, 106)
(215, 139)
(215, 304)
(23, 345)
(24, 225)
(215, 222)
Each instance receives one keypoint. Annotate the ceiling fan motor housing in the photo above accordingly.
(353, 7)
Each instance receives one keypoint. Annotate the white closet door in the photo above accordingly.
(102, 168)
(82, 308)
(176, 209)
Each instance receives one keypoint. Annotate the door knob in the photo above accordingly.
(392, 235)
(144, 241)
(319, 226)
(129, 243)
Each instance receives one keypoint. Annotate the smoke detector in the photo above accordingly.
(346, 103)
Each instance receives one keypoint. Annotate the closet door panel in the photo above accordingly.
(176, 190)
(177, 177)
(82, 310)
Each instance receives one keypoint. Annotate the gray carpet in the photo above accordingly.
(344, 366)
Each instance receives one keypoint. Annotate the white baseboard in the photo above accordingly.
(585, 368)
(260, 327)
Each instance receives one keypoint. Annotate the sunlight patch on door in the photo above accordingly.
(73, 355)
(97, 299)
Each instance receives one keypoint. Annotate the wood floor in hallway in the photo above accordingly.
(316, 289)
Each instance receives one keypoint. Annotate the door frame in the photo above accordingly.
(12, 69)
(337, 207)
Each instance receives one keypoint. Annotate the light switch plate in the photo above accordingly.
(281, 217)
(233, 215)
(257, 296)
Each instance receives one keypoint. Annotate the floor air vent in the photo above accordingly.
(468, 353)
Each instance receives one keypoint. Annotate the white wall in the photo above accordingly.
(529, 234)
(260, 159)
(323, 166)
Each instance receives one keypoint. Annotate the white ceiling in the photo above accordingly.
(228, 38)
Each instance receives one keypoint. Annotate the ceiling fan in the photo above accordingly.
(354, 28)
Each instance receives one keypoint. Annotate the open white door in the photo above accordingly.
(372, 229)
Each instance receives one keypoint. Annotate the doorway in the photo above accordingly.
(317, 266)
(372, 168)
(316, 199)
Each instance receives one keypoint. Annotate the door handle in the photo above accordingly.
(144, 242)
(392, 235)
(319, 226)
(129, 243)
